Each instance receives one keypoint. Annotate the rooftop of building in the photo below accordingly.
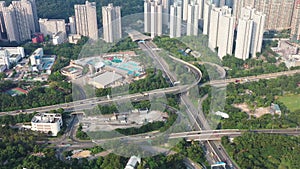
(58, 34)
(46, 118)
(11, 48)
(133, 161)
(14, 55)
(107, 78)
(37, 51)
(72, 69)
(46, 19)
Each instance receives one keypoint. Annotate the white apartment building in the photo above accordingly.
(175, 20)
(47, 122)
(278, 12)
(10, 23)
(156, 19)
(111, 18)
(213, 28)
(25, 9)
(2, 24)
(18, 20)
(221, 30)
(185, 9)
(52, 26)
(166, 5)
(192, 19)
(86, 20)
(243, 40)
(16, 23)
(225, 35)
(257, 31)
(206, 16)
(201, 8)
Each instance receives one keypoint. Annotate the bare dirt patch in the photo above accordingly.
(258, 112)
(82, 154)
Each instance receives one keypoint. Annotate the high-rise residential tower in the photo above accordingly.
(153, 17)
(295, 26)
(213, 27)
(166, 12)
(257, 30)
(201, 8)
(278, 12)
(24, 11)
(156, 19)
(175, 20)
(185, 9)
(2, 24)
(225, 33)
(11, 26)
(206, 16)
(243, 40)
(192, 19)
(111, 18)
(24, 21)
(35, 16)
(221, 30)
(86, 20)
(147, 16)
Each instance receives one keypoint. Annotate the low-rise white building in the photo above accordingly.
(10, 55)
(40, 62)
(106, 79)
(47, 122)
(58, 38)
(133, 162)
(74, 38)
(72, 71)
(291, 61)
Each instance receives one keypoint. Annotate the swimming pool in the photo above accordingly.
(47, 63)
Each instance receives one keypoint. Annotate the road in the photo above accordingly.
(89, 103)
(196, 117)
(253, 78)
(160, 63)
(202, 135)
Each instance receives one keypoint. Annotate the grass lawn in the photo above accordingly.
(292, 102)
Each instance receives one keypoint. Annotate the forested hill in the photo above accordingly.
(62, 9)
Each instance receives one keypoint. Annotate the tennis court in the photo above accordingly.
(16, 91)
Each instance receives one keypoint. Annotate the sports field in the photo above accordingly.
(16, 91)
(292, 102)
